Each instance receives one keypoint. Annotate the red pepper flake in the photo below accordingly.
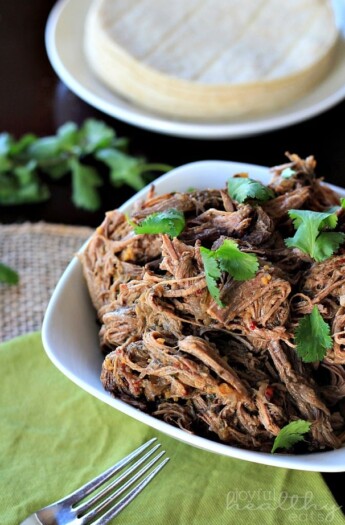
(252, 325)
(136, 387)
(269, 393)
(199, 292)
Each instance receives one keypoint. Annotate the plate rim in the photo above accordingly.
(160, 124)
(317, 461)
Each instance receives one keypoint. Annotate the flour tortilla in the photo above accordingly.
(210, 59)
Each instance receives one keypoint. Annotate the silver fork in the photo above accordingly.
(104, 505)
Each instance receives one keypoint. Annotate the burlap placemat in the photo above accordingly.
(39, 253)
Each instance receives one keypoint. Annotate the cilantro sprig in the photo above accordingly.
(310, 236)
(313, 337)
(243, 188)
(228, 258)
(291, 434)
(8, 275)
(26, 164)
(171, 222)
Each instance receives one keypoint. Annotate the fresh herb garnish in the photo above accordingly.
(243, 188)
(228, 258)
(288, 173)
(309, 237)
(171, 222)
(240, 265)
(212, 273)
(291, 434)
(7, 275)
(74, 151)
(313, 337)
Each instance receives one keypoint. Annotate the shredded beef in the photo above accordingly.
(230, 373)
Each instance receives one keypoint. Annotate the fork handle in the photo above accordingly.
(31, 520)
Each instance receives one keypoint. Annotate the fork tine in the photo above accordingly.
(118, 507)
(105, 503)
(92, 485)
(80, 509)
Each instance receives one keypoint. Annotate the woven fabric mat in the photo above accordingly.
(39, 252)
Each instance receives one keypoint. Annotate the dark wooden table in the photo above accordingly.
(32, 98)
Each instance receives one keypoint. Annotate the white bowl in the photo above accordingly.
(70, 333)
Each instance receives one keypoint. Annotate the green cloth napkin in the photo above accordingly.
(55, 437)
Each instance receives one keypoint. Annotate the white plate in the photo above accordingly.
(70, 334)
(64, 37)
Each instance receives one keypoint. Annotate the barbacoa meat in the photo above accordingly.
(229, 373)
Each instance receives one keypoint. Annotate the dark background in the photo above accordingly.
(33, 99)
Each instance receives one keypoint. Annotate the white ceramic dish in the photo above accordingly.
(70, 334)
(64, 36)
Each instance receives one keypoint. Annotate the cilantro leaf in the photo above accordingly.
(308, 237)
(240, 265)
(169, 221)
(241, 189)
(291, 434)
(321, 219)
(125, 169)
(67, 135)
(313, 337)
(212, 273)
(52, 154)
(229, 258)
(9, 149)
(85, 180)
(327, 244)
(20, 146)
(44, 148)
(95, 135)
(7, 275)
